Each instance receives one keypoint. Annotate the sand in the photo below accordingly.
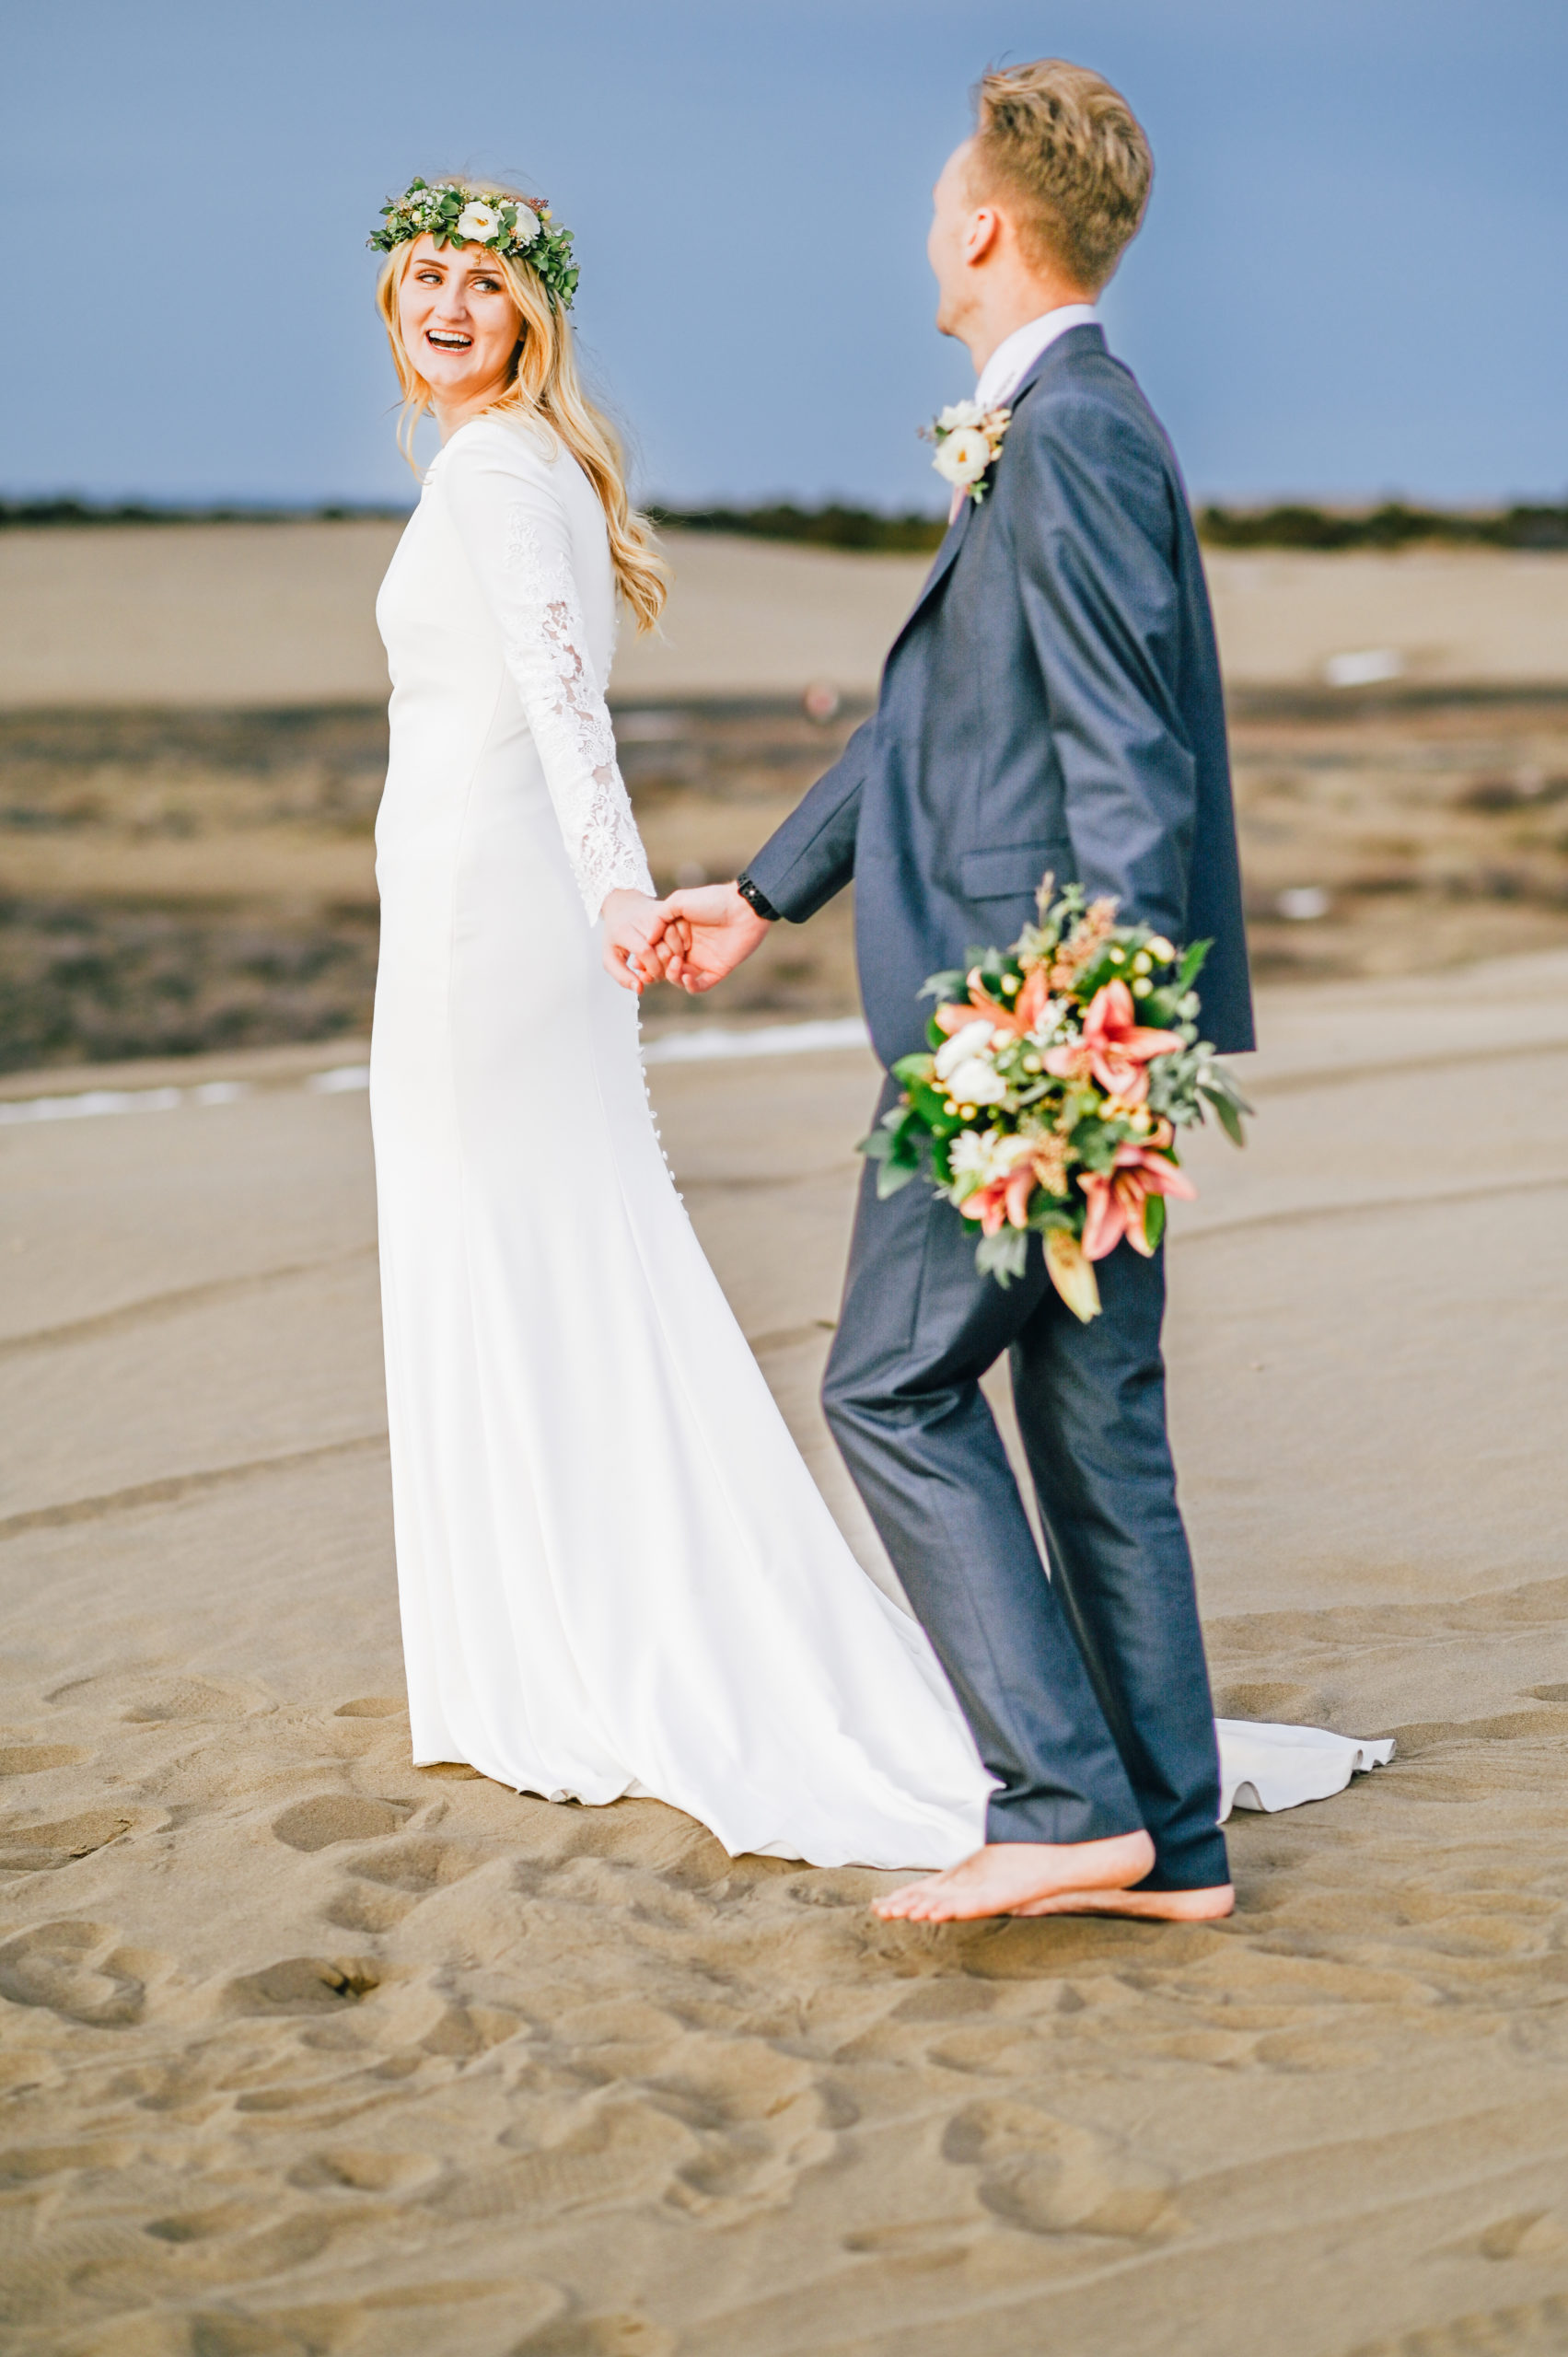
(260, 614)
(303, 2051)
(306, 2051)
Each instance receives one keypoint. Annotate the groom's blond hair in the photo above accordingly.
(1067, 155)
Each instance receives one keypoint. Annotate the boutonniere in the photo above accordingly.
(969, 443)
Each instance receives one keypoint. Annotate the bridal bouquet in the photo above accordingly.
(1058, 1073)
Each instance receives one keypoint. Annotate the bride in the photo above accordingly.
(616, 1574)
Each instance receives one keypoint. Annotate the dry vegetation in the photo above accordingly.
(1423, 832)
(172, 882)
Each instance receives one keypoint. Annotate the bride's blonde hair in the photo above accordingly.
(545, 385)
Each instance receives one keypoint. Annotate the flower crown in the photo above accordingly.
(453, 215)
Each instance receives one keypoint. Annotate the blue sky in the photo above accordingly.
(1352, 282)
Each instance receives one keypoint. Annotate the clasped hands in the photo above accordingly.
(693, 939)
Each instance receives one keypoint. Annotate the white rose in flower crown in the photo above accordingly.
(962, 457)
(524, 228)
(477, 222)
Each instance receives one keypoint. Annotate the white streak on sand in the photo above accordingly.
(771, 1040)
(677, 1048)
(92, 1102)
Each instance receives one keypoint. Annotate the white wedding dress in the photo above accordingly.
(615, 1573)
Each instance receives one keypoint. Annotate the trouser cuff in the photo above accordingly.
(1036, 1818)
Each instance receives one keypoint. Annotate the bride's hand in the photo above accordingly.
(641, 939)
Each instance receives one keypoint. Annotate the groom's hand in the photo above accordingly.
(723, 930)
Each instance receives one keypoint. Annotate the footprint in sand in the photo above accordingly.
(339, 1817)
(1534, 2233)
(356, 1908)
(75, 1968)
(32, 2164)
(1288, 1705)
(33, 1759)
(149, 1697)
(304, 1984)
(31, 1848)
(205, 2226)
(616, 2336)
(757, 2120)
(345, 2170)
(372, 1706)
(420, 1863)
(1533, 2328)
(266, 2332)
(398, 1875)
(1506, 1726)
(1052, 2176)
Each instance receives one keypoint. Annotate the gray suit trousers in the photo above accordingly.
(1087, 1693)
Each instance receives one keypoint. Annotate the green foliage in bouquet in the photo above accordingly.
(1057, 1074)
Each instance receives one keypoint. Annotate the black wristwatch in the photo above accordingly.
(756, 900)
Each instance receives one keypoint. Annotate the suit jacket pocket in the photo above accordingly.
(1012, 871)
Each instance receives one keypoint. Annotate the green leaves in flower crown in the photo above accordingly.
(517, 227)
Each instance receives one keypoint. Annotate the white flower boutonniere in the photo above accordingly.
(969, 443)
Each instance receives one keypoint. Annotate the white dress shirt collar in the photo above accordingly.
(1017, 353)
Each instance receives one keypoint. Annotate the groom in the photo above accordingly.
(1053, 702)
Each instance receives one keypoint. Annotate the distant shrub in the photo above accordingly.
(836, 525)
(1391, 525)
(832, 527)
(70, 511)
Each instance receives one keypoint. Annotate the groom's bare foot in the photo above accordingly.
(1143, 1906)
(1021, 1878)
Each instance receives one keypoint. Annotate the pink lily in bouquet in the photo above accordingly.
(1029, 1106)
(1021, 1017)
(1118, 1197)
(1114, 1047)
(1005, 1201)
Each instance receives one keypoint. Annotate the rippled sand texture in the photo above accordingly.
(306, 2051)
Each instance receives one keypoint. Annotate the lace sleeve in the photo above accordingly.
(515, 533)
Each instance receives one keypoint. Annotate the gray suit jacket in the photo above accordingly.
(1053, 701)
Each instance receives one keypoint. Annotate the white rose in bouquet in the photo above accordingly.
(958, 414)
(977, 1158)
(962, 1044)
(975, 1082)
(962, 457)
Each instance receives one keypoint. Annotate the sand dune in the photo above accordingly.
(260, 614)
(308, 2052)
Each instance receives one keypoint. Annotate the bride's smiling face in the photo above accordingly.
(459, 325)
